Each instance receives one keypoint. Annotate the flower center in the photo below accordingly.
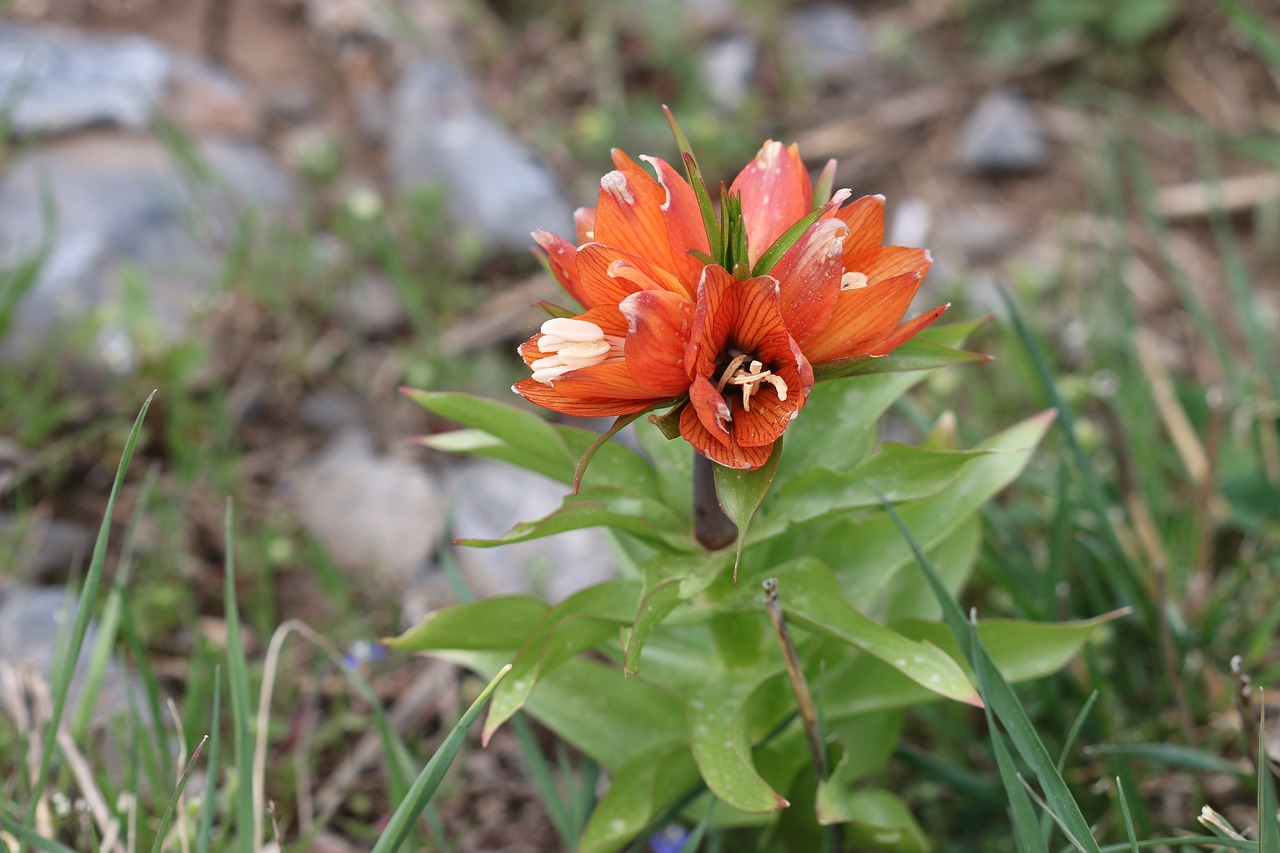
(573, 344)
(748, 373)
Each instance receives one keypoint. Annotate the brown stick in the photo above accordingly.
(804, 699)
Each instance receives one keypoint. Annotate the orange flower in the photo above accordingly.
(728, 317)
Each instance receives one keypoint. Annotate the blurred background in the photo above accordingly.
(278, 212)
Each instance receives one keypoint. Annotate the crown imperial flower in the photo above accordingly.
(726, 317)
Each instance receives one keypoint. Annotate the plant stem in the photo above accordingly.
(711, 527)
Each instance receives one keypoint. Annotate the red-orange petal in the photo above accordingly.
(562, 258)
(865, 218)
(659, 326)
(906, 332)
(686, 232)
(710, 324)
(609, 381)
(889, 261)
(776, 193)
(607, 275)
(809, 278)
(862, 317)
(709, 408)
(629, 215)
(731, 454)
(584, 222)
(549, 397)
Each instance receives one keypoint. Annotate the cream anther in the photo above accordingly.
(853, 280)
(573, 344)
(572, 330)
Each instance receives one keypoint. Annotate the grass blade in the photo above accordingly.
(172, 807)
(1135, 589)
(209, 806)
(429, 779)
(37, 841)
(1004, 702)
(543, 780)
(1026, 826)
(1268, 826)
(248, 819)
(109, 624)
(65, 666)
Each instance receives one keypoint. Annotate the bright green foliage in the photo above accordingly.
(693, 696)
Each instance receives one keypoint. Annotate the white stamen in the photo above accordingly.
(572, 344)
(853, 280)
(572, 330)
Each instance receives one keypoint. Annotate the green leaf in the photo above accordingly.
(637, 793)
(575, 624)
(868, 741)
(654, 607)
(720, 737)
(602, 506)
(1022, 651)
(424, 787)
(519, 429)
(919, 353)
(705, 205)
(865, 553)
(740, 493)
(811, 598)
(494, 623)
(838, 424)
(906, 472)
(907, 595)
(673, 464)
(879, 820)
(475, 442)
(789, 238)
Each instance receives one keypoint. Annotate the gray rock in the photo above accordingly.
(1002, 135)
(441, 135)
(982, 231)
(31, 621)
(728, 69)
(62, 81)
(372, 307)
(293, 101)
(493, 497)
(46, 550)
(327, 411)
(205, 100)
(828, 42)
(123, 208)
(376, 515)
